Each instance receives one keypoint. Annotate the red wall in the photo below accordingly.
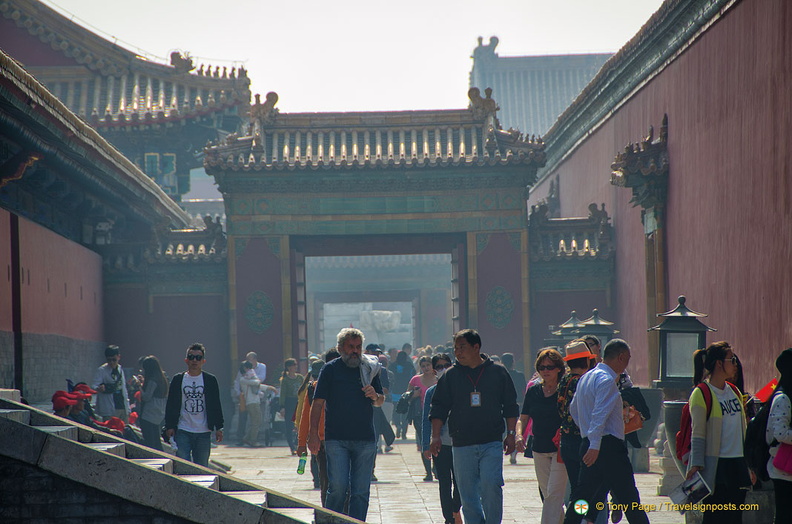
(730, 197)
(499, 265)
(554, 308)
(61, 287)
(169, 328)
(259, 270)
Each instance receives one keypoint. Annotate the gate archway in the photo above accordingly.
(375, 183)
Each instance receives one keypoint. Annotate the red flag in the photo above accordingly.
(765, 393)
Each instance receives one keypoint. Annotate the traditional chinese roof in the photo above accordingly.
(114, 86)
(170, 247)
(65, 166)
(376, 261)
(469, 137)
(570, 239)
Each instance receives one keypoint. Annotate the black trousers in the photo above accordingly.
(611, 472)
(450, 502)
(783, 494)
(570, 453)
(730, 477)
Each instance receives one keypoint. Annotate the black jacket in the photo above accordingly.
(214, 411)
(469, 425)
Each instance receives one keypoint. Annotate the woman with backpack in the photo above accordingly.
(779, 430)
(716, 443)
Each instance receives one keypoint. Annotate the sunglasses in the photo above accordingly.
(195, 357)
(546, 368)
(442, 366)
(733, 360)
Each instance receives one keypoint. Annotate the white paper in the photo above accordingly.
(690, 492)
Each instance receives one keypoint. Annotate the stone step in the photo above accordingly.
(207, 481)
(302, 515)
(115, 448)
(258, 498)
(160, 464)
(69, 432)
(19, 415)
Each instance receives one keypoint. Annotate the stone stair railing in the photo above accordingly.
(141, 475)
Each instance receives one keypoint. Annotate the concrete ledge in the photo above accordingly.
(141, 483)
(20, 415)
(20, 441)
(11, 394)
(68, 432)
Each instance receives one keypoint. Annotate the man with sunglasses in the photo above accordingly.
(193, 410)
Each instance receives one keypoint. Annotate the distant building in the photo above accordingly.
(532, 91)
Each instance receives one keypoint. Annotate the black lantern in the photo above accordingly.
(599, 327)
(569, 330)
(681, 333)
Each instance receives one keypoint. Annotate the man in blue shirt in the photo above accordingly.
(349, 405)
(597, 410)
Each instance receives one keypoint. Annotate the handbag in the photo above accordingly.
(557, 442)
(242, 403)
(403, 405)
(783, 458)
(633, 420)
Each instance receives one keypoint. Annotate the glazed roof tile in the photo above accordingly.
(402, 139)
(118, 87)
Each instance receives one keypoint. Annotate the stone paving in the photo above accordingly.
(401, 496)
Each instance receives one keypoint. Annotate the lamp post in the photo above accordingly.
(681, 333)
(566, 332)
(599, 327)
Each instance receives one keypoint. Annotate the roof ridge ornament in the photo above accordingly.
(182, 62)
(483, 108)
(264, 114)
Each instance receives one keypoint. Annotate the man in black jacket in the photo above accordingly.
(193, 410)
(476, 396)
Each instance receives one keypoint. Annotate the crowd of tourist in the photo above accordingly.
(468, 408)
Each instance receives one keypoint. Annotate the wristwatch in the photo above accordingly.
(511, 432)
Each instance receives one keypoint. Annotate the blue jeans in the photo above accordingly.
(350, 464)
(478, 471)
(193, 446)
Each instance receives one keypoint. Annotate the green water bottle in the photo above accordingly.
(301, 465)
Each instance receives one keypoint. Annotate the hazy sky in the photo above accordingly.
(360, 55)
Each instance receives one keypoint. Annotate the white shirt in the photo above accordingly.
(731, 430)
(597, 406)
(261, 372)
(778, 428)
(193, 405)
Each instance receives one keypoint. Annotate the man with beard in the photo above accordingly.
(348, 405)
